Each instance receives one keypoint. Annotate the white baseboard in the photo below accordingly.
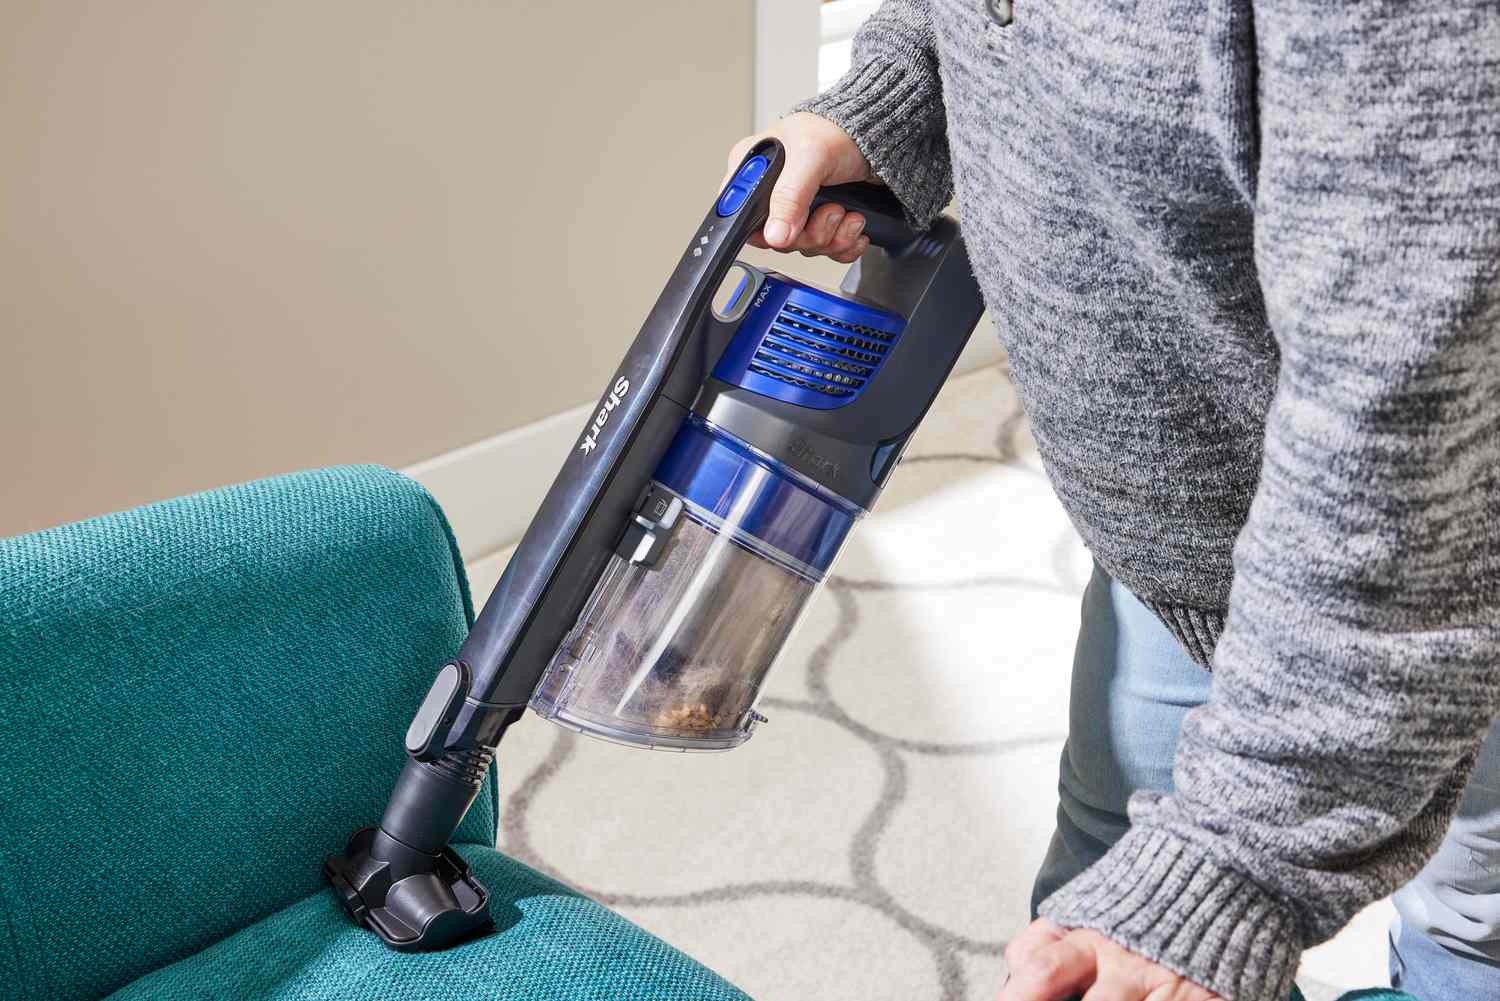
(491, 489)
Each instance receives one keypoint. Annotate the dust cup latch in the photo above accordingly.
(682, 628)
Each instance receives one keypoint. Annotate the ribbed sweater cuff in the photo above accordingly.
(894, 114)
(1196, 629)
(1164, 898)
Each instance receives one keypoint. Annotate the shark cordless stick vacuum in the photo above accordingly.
(752, 422)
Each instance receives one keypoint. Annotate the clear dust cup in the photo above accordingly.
(674, 655)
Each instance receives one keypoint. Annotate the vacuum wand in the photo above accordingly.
(729, 456)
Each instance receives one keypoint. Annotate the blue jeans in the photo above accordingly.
(1132, 685)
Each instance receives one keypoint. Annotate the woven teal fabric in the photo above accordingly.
(1369, 994)
(200, 699)
(551, 945)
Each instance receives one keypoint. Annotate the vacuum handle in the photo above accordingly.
(885, 217)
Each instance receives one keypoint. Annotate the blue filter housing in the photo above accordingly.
(721, 479)
(808, 347)
(675, 643)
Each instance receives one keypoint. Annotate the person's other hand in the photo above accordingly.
(818, 152)
(1051, 963)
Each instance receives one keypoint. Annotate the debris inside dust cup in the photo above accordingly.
(684, 648)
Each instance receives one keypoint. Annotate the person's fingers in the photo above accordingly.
(1113, 986)
(821, 226)
(820, 230)
(1052, 973)
(1033, 938)
(854, 253)
(846, 236)
(792, 197)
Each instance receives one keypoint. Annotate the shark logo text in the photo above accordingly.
(616, 394)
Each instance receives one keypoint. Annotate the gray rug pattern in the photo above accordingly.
(865, 889)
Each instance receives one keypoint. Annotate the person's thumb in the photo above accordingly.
(737, 153)
(791, 199)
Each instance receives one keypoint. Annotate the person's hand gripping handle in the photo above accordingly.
(818, 154)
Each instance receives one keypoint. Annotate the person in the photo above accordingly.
(1244, 256)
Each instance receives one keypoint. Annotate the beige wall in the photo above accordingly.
(243, 238)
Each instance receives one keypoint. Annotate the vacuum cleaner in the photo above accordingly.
(752, 422)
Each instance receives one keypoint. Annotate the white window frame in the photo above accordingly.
(794, 40)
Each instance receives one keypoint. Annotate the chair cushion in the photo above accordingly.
(549, 945)
(201, 699)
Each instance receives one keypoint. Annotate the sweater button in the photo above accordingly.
(1001, 11)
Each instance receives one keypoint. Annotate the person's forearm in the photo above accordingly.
(1360, 665)
(891, 103)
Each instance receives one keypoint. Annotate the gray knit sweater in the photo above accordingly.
(1245, 258)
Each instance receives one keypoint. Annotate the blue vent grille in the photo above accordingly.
(858, 329)
(808, 347)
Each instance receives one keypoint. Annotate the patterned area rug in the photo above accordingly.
(877, 838)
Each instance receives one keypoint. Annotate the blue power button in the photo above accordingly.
(750, 173)
(741, 185)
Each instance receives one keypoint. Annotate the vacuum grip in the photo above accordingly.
(885, 217)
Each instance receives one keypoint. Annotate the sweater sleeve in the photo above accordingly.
(1360, 665)
(891, 104)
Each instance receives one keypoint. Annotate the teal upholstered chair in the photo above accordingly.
(199, 700)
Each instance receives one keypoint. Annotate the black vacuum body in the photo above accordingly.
(752, 422)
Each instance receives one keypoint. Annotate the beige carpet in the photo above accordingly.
(877, 838)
